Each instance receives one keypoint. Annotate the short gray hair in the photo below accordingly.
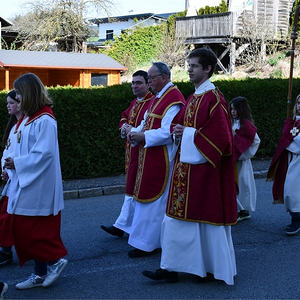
(162, 68)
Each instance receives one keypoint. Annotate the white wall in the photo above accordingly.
(117, 27)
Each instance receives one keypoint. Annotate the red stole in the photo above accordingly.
(243, 138)
(279, 165)
(206, 192)
(133, 116)
(153, 162)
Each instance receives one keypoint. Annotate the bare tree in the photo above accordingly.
(173, 51)
(59, 22)
(256, 40)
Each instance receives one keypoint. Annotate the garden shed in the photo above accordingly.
(59, 68)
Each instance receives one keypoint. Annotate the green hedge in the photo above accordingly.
(90, 145)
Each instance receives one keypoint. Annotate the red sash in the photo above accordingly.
(243, 138)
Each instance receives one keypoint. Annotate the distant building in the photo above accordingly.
(5, 34)
(59, 68)
(225, 32)
(113, 26)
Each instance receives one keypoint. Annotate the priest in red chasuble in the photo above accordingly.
(155, 161)
(201, 207)
(131, 117)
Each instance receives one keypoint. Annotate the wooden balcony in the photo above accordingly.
(215, 28)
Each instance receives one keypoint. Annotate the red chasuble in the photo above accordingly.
(206, 192)
(133, 116)
(153, 162)
(279, 165)
(243, 138)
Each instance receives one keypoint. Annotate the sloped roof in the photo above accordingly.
(4, 23)
(130, 17)
(58, 60)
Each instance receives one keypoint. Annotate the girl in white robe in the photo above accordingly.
(246, 143)
(284, 169)
(291, 184)
(37, 201)
(8, 176)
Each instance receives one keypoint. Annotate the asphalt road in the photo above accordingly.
(268, 261)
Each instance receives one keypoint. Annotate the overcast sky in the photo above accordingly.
(10, 8)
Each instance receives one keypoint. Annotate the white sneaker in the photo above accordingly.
(54, 272)
(33, 281)
(3, 289)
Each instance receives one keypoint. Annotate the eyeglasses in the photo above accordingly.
(154, 76)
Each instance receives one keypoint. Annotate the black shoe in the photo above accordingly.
(243, 215)
(292, 229)
(161, 274)
(3, 289)
(140, 253)
(113, 230)
(5, 258)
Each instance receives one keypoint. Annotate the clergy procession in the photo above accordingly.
(189, 177)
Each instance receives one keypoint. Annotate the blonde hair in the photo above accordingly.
(295, 107)
(33, 92)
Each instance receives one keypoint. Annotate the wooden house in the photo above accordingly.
(59, 68)
(228, 30)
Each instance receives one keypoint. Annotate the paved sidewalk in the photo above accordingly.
(83, 188)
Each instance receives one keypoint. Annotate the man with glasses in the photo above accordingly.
(155, 161)
(201, 207)
(131, 117)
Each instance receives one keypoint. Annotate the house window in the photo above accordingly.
(99, 79)
(109, 34)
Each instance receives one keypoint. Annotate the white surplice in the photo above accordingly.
(145, 229)
(39, 183)
(247, 188)
(291, 184)
(197, 248)
(124, 220)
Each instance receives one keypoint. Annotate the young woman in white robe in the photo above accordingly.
(37, 202)
(291, 184)
(8, 176)
(246, 137)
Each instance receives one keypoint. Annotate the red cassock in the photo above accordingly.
(206, 192)
(133, 116)
(6, 233)
(279, 165)
(153, 171)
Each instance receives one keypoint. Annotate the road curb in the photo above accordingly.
(118, 189)
(94, 192)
